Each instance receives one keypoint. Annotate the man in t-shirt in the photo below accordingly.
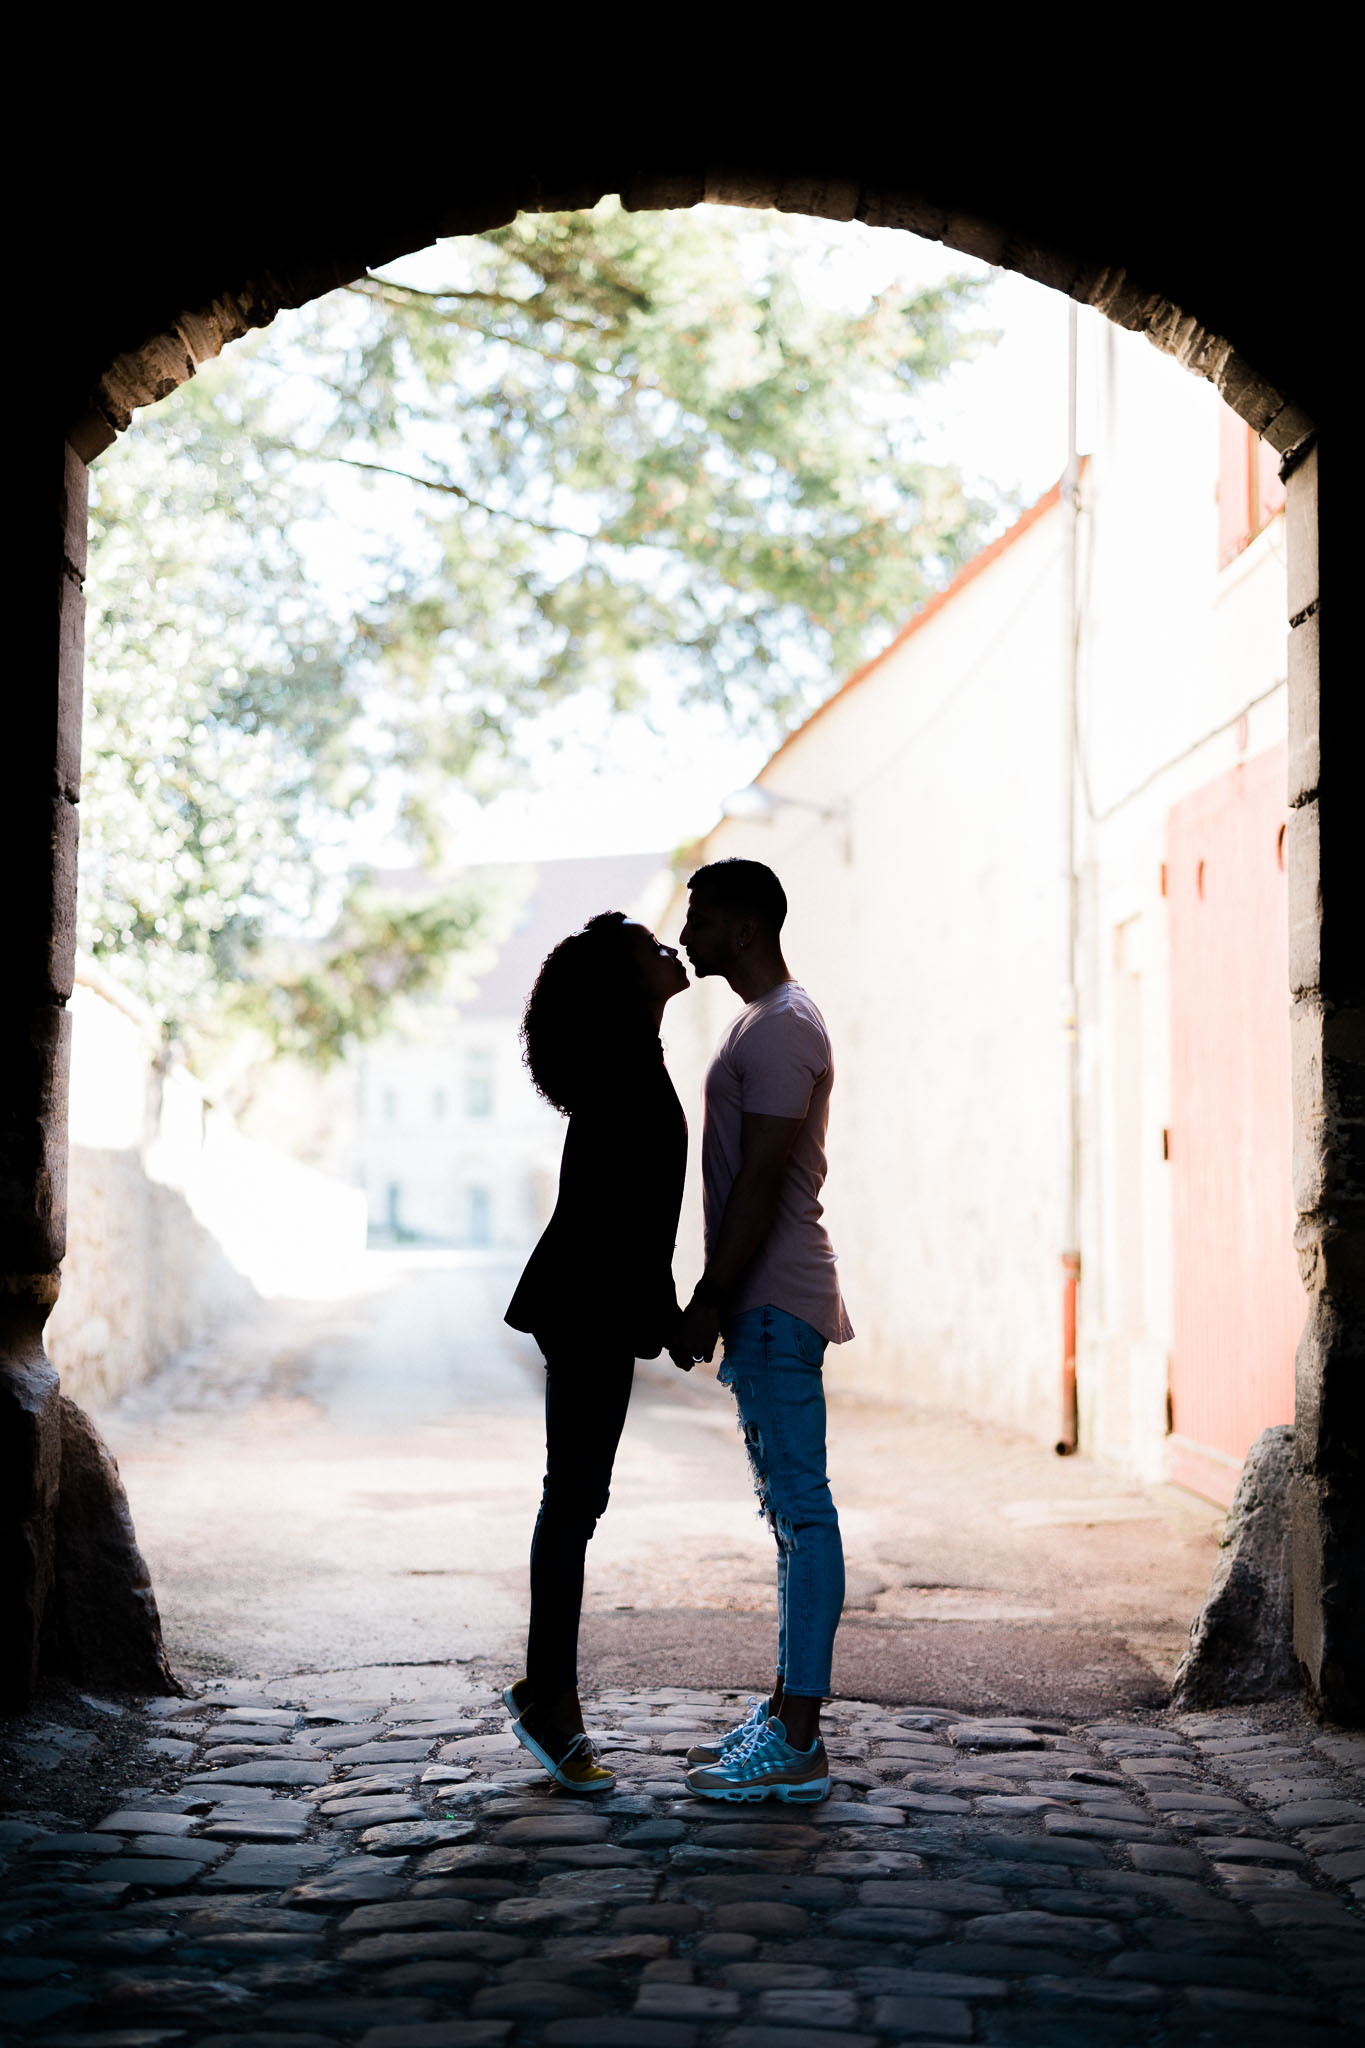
(770, 1291)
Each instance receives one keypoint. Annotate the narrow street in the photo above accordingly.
(348, 1489)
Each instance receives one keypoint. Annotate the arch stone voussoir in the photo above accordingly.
(163, 361)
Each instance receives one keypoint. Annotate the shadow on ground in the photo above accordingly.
(990, 1668)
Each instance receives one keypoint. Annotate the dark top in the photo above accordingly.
(602, 1275)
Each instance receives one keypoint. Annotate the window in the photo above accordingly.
(480, 1217)
(438, 1104)
(1249, 489)
(394, 1203)
(390, 1103)
(478, 1083)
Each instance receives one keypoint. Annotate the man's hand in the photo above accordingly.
(698, 1334)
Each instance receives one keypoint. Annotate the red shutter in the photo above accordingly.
(1270, 490)
(1249, 489)
(1237, 1303)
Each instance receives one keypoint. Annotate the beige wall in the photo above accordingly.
(930, 936)
(936, 948)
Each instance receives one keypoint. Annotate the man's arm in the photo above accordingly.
(765, 1145)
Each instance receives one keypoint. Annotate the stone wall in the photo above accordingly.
(143, 1279)
(176, 1223)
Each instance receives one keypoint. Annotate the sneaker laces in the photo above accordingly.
(746, 1753)
(581, 1742)
(744, 1731)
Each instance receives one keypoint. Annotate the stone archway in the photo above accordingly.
(287, 231)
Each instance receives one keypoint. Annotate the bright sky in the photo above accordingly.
(602, 784)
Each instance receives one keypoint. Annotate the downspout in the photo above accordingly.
(1071, 1252)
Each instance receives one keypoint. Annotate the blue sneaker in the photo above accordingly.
(713, 1752)
(766, 1767)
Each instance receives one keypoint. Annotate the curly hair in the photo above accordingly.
(587, 1010)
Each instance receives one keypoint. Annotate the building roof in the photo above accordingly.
(928, 610)
(562, 896)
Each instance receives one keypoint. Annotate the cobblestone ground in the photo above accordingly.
(393, 1876)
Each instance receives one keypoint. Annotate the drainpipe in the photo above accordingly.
(1071, 1253)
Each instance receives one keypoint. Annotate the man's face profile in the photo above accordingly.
(710, 936)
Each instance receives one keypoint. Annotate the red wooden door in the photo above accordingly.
(1237, 1302)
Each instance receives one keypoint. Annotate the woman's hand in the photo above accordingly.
(699, 1332)
(675, 1347)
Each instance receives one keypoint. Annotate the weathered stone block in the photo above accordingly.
(915, 215)
(686, 2002)
(946, 2019)
(1305, 708)
(827, 198)
(1303, 847)
(1241, 1644)
(1290, 427)
(30, 1470)
(740, 188)
(804, 2007)
(659, 193)
(75, 510)
(34, 1057)
(101, 1626)
(985, 239)
(61, 773)
(1301, 533)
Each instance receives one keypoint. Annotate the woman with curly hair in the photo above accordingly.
(597, 1292)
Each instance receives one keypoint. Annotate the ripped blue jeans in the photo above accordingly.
(774, 1361)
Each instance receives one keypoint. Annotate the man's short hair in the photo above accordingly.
(745, 887)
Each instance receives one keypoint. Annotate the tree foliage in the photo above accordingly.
(638, 453)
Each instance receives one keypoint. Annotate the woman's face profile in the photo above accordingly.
(661, 971)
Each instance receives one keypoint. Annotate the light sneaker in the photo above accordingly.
(575, 1768)
(766, 1767)
(516, 1697)
(713, 1752)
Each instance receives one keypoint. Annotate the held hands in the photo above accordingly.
(697, 1334)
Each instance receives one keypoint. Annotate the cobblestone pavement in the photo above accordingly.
(395, 1876)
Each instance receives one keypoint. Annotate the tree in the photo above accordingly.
(635, 452)
(225, 762)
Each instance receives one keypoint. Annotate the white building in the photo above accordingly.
(917, 823)
(453, 1145)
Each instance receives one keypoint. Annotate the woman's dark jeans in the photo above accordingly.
(586, 1398)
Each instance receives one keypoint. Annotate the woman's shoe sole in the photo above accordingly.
(547, 1763)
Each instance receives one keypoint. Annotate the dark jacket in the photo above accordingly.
(602, 1274)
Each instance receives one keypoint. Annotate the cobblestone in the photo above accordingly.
(1185, 1880)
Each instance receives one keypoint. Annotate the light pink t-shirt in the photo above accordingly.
(776, 1060)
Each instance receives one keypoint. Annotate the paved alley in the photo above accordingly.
(302, 1872)
(333, 1841)
(350, 1489)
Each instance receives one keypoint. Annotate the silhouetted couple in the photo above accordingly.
(598, 1293)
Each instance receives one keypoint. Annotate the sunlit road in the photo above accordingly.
(350, 1489)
